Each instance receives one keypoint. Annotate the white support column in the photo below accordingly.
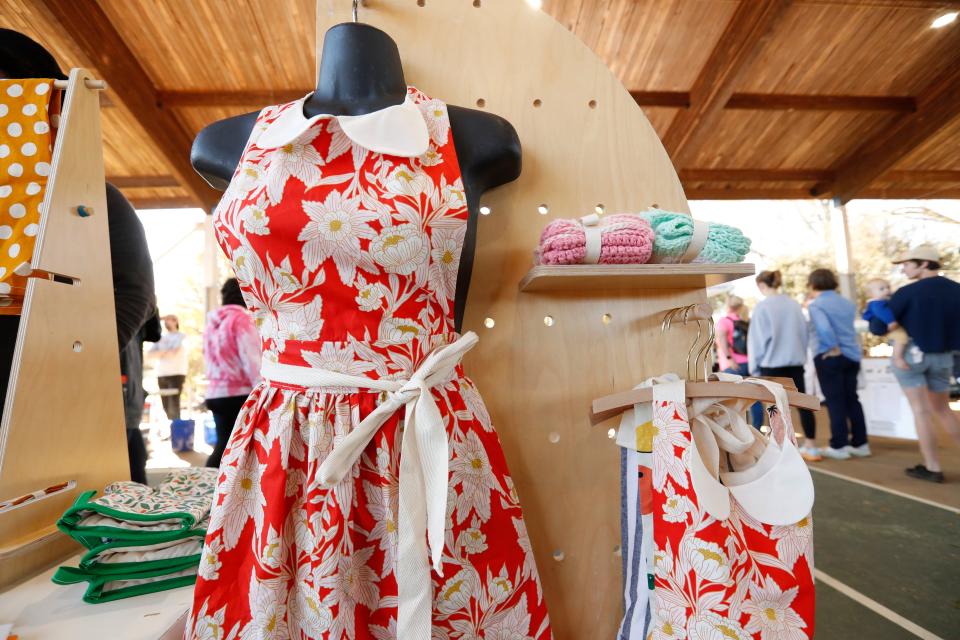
(843, 250)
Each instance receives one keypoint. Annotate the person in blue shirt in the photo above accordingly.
(929, 310)
(837, 354)
(777, 347)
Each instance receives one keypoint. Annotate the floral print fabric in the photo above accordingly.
(130, 509)
(717, 580)
(348, 260)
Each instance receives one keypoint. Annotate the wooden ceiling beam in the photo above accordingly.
(680, 99)
(246, 98)
(754, 175)
(143, 182)
(945, 5)
(917, 176)
(937, 105)
(85, 22)
(748, 28)
(773, 193)
(254, 98)
(910, 193)
(162, 203)
(719, 193)
(921, 175)
(792, 102)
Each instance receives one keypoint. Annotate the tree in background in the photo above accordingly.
(877, 238)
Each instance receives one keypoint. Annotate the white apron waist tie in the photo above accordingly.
(424, 464)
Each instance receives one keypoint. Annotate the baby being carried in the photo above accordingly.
(878, 308)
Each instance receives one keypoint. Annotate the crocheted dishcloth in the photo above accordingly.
(673, 232)
(624, 239)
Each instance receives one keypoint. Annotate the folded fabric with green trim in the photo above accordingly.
(673, 234)
(109, 587)
(120, 556)
(129, 511)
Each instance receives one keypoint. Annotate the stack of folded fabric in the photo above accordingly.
(681, 238)
(140, 540)
(651, 236)
(612, 239)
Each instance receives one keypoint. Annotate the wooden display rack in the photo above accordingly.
(63, 417)
(545, 352)
(588, 277)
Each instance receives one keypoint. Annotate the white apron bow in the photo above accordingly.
(424, 463)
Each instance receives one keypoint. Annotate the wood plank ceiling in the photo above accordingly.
(752, 98)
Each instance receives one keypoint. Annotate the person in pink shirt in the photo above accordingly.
(731, 346)
(231, 348)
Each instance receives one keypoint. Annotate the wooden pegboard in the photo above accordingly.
(585, 143)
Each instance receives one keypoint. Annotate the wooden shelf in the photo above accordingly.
(579, 277)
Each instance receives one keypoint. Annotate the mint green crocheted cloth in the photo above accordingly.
(672, 233)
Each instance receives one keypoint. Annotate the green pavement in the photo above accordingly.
(899, 552)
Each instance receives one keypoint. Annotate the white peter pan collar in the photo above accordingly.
(397, 130)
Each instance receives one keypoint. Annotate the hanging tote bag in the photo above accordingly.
(733, 549)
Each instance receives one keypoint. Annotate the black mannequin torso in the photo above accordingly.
(361, 72)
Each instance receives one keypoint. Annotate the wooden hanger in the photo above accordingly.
(612, 405)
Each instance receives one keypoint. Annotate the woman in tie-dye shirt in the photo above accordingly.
(231, 347)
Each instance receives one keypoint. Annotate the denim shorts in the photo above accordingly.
(932, 370)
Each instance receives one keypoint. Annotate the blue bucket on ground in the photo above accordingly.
(181, 435)
(210, 431)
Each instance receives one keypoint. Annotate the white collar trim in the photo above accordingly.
(397, 130)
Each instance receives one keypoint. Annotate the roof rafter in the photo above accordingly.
(174, 202)
(142, 182)
(749, 26)
(774, 193)
(214, 98)
(96, 37)
(937, 105)
(753, 175)
(254, 98)
(822, 102)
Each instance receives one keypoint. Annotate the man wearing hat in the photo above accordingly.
(929, 310)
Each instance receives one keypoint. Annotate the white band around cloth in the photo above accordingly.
(424, 464)
(697, 242)
(591, 232)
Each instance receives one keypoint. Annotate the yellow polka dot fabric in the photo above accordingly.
(25, 155)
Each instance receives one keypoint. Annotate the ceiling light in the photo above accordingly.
(536, 4)
(944, 20)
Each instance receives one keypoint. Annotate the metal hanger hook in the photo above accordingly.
(668, 319)
(695, 347)
(704, 355)
(356, 10)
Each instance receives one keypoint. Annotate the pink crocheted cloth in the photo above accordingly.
(624, 239)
